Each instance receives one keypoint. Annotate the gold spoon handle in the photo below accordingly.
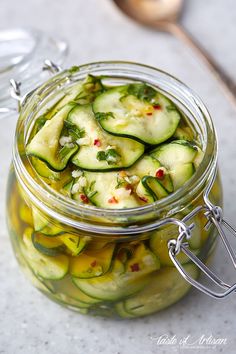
(217, 71)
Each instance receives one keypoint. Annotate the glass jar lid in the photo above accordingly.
(22, 54)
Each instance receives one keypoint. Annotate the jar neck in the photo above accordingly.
(98, 220)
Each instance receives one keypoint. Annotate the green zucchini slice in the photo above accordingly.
(178, 157)
(43, 266)
(137, 111)
(113, 196)
(122, 280)
(165, 288)
(92, 264)
(66, 288)
(175, 153)
(45, 145)
(99, 150)
(148, 166)
(149, 189)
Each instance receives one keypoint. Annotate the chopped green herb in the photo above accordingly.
(90, 89)
(142, 91)
(74, 131)
(101, 156)
(111, 156)
(120, 181)
(112, 153)
(103, 115)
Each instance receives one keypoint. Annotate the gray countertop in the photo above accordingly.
(30, 323)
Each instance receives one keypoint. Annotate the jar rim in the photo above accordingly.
(133, 71)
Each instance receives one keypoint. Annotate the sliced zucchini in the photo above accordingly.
(43, 170)
(92, 264)
(148, 166)
(91, 87)
(83, 92)
(178, 157)
(165, 288)
(67, 288)
(184, 133)
(49, 246)
(45, 144)
(43, 225)
(43, 266)
(199, 157)
(74, 243)
(175, 153)
(98, 150)
(25, 214)
(121, 311)
(142, 260)
(113, 285)
(137, 111)
(149, 189)
(110, 197)
(122, 280)
(180, 174)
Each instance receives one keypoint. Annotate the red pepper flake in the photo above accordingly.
(94, 263)
(97, 142)
(149, 114)
(143, 199)
(157, 106)
(84, 198)
(129, 187)
(135, 267)
(113, 200)
(160, 174)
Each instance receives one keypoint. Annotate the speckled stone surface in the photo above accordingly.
(30, 323)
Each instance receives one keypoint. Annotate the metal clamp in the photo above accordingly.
(214, 217)
(15, 92)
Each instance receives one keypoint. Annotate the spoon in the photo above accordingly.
(163, 15)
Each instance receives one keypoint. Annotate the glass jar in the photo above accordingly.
(111, 248)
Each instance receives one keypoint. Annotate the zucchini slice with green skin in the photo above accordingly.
(175, 153)
(26, 214)
(92, 264)
(122, 280)
(121, 311)
(42, 224)
(45, 144)
(178, 157)
(165, 288)
(43, 170)
(83, 92)
(43, 266)
(110, 197)
(180, 174)
(128, 111)
(142, 260)
(113, 285)
(148, 166)
(49, 246)
(74, 243)
(71, 291)
(99, 150)
(149, 189)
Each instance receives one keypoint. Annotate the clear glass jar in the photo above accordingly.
(119, 281)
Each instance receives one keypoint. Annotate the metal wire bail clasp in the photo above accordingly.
(214, 216)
